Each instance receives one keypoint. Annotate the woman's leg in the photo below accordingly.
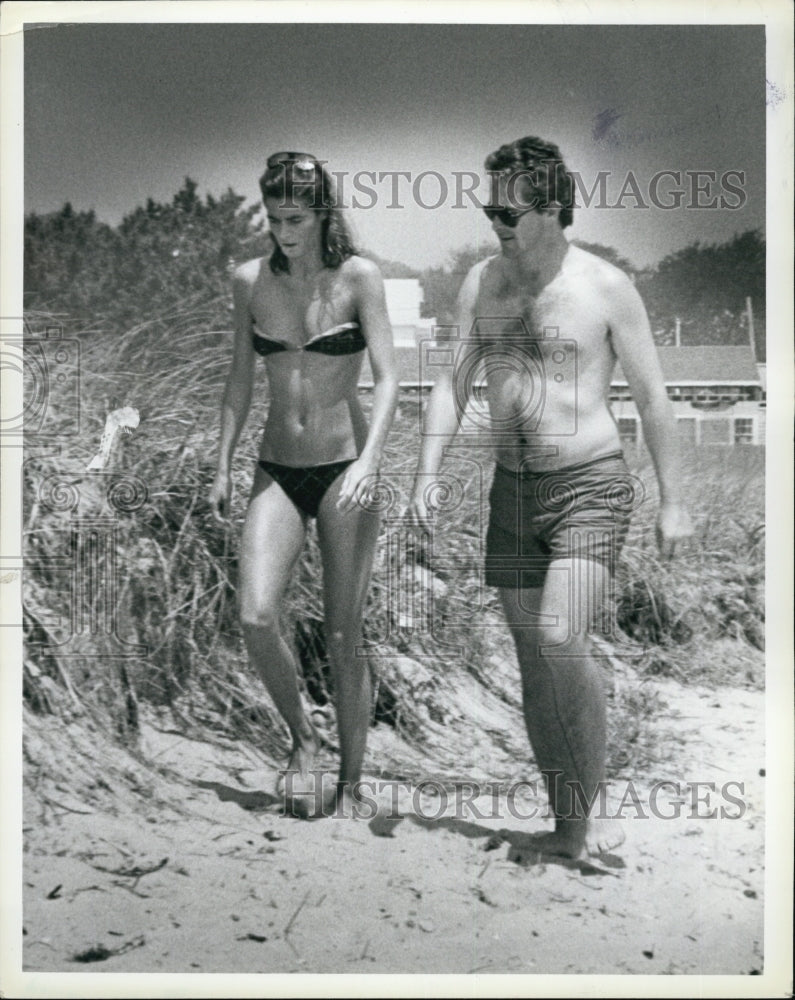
(347, 545)
(273, 536)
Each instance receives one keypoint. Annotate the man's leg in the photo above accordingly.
(563, 697)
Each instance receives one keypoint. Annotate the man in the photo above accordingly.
(549, 321)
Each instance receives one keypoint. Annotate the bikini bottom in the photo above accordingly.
(305, 486)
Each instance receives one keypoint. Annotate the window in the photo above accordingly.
(628, 430)
(619, 393)
(687, 428)
(743, 430)
(715, 431)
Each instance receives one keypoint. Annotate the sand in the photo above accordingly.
(173, 856)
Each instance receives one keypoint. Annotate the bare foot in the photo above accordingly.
(568, 842)
(603, 835)
(299, 778)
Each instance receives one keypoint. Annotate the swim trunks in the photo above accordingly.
(305, 486)
(536, 517)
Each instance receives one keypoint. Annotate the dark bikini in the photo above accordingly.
(347, 338)
(306, 486)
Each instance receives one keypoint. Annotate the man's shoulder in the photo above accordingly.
(603, 274)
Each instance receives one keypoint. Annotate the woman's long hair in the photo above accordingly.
(300, 178)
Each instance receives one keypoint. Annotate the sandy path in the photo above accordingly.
(248, 890)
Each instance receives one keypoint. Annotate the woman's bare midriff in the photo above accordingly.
(314, 416)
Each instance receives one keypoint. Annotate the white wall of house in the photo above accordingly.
(737, 423)
(404, 299)
(742, 422)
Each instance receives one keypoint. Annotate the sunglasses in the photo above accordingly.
(303, 163)
(507, 216)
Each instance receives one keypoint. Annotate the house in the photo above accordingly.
(717, 392)
(404, 298)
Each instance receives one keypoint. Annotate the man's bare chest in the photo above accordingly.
(541, 324)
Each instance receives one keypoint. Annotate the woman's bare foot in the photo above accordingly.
(297, 779)
(346, 800)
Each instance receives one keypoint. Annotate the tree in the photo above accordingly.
(442, 284)
(159, 256)
(610, 254)
(705, 286)
(392, 268)
(182, 251)
(65, 261)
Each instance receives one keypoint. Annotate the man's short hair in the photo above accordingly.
(537, 176)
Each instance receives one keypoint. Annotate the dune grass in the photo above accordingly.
(697, 618)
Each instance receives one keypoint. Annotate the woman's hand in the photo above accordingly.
(220, 496)
(359, 479)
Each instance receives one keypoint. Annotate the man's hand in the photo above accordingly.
(419, 514)
(220, 496)
(673, 525)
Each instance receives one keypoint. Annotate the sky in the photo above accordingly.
(117, 113)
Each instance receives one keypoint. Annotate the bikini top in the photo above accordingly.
(347, 338)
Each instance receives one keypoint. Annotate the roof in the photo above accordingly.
(716, 363)
(680, 365)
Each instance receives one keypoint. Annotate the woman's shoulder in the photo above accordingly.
(361, 270)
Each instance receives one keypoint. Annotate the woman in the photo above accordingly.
(310, 311)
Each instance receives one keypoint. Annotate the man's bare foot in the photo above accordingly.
(567, 841)
(603, 835)
(570, 841)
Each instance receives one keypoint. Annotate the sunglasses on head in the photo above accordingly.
(507, 216)
(299, 162)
